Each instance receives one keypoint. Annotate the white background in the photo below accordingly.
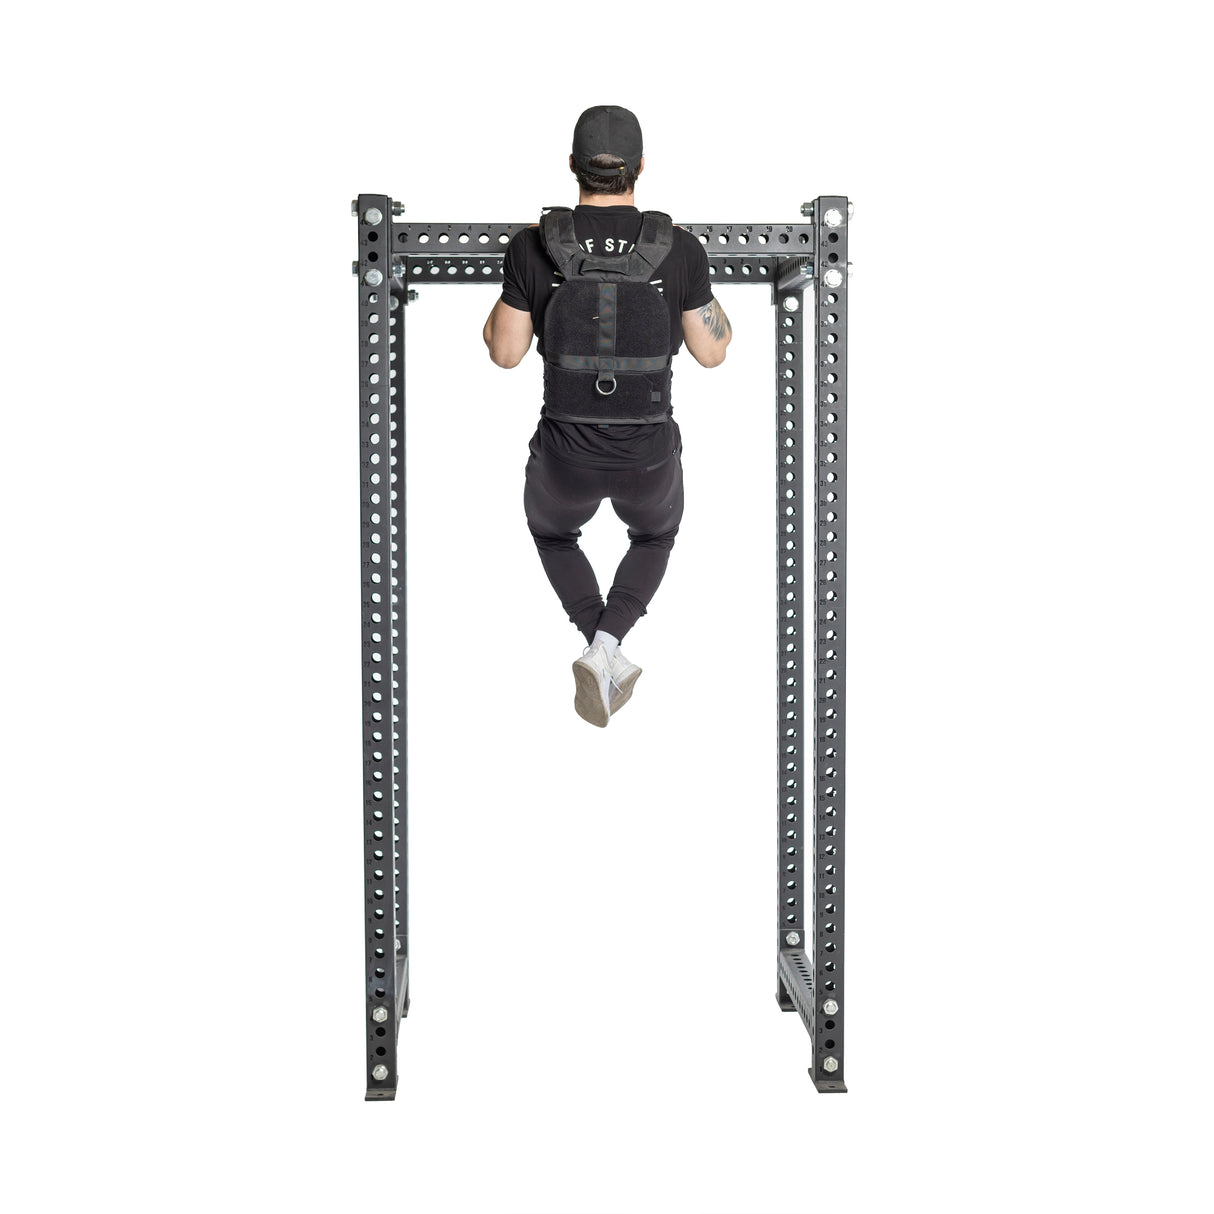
(594, 1025)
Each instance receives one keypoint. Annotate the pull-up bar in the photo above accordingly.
(795, 260)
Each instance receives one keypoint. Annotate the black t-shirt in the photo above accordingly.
(683, 280)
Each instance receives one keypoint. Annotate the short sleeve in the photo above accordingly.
(517, 274)
(699, 286)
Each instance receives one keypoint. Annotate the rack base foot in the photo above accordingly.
(828, 1085)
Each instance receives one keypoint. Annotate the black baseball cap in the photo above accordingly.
(607, 130)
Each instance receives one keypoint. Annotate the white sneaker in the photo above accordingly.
(592, 673)
(623, 677)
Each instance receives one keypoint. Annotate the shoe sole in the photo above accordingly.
(587, 702)
(625, 692)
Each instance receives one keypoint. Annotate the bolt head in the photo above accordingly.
(833, 278)
(830, 1063)
(373, 278)
(398, 269)
(354, 268)
(793, 938)
(398, 209)
(791, 303)
(833, 218)
(851, 209)
(379, 1014)
(399, 942)
(373, 215)
(849, 269)
(830, 1007)
(380, 1072)
(807, 209)
(354, 208)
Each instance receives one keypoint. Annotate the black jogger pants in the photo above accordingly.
(559, 498)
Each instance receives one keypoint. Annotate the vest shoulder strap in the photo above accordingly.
(656, 238)
(556, 228)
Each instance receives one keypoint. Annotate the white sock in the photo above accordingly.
(609, 643)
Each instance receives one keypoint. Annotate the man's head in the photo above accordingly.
(607, 150)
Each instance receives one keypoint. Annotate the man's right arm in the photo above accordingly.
(706, 332)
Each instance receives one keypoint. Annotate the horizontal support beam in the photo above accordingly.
(478, 239)
(798, 982)
(723, 267)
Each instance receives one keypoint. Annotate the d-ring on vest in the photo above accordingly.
(607, 327)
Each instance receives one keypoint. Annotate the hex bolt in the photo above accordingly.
(373, 278)
(399, 944)
(830, 1063)
(354, 268)
(807, 209)
(373, 215)
(398, 209)
(398, 269)
(849, 269)
(791, 303)
(354, 208)
(851, 209)
(379, 1015)
(833, 218)
(833, 278)
(830, 1007)
(380, 1072)
(793, 938)
(412, 294)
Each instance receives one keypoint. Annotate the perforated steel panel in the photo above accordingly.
(380, 329)
(830, 633)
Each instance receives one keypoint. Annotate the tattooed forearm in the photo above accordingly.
(715, 320)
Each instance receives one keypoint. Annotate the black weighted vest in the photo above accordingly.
(607, 328)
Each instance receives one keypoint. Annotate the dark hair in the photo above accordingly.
(617, 183)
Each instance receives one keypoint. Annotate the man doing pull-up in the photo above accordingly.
(632, 283)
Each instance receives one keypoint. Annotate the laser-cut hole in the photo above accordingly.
(423, 238)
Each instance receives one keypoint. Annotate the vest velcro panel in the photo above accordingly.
(607, 329)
